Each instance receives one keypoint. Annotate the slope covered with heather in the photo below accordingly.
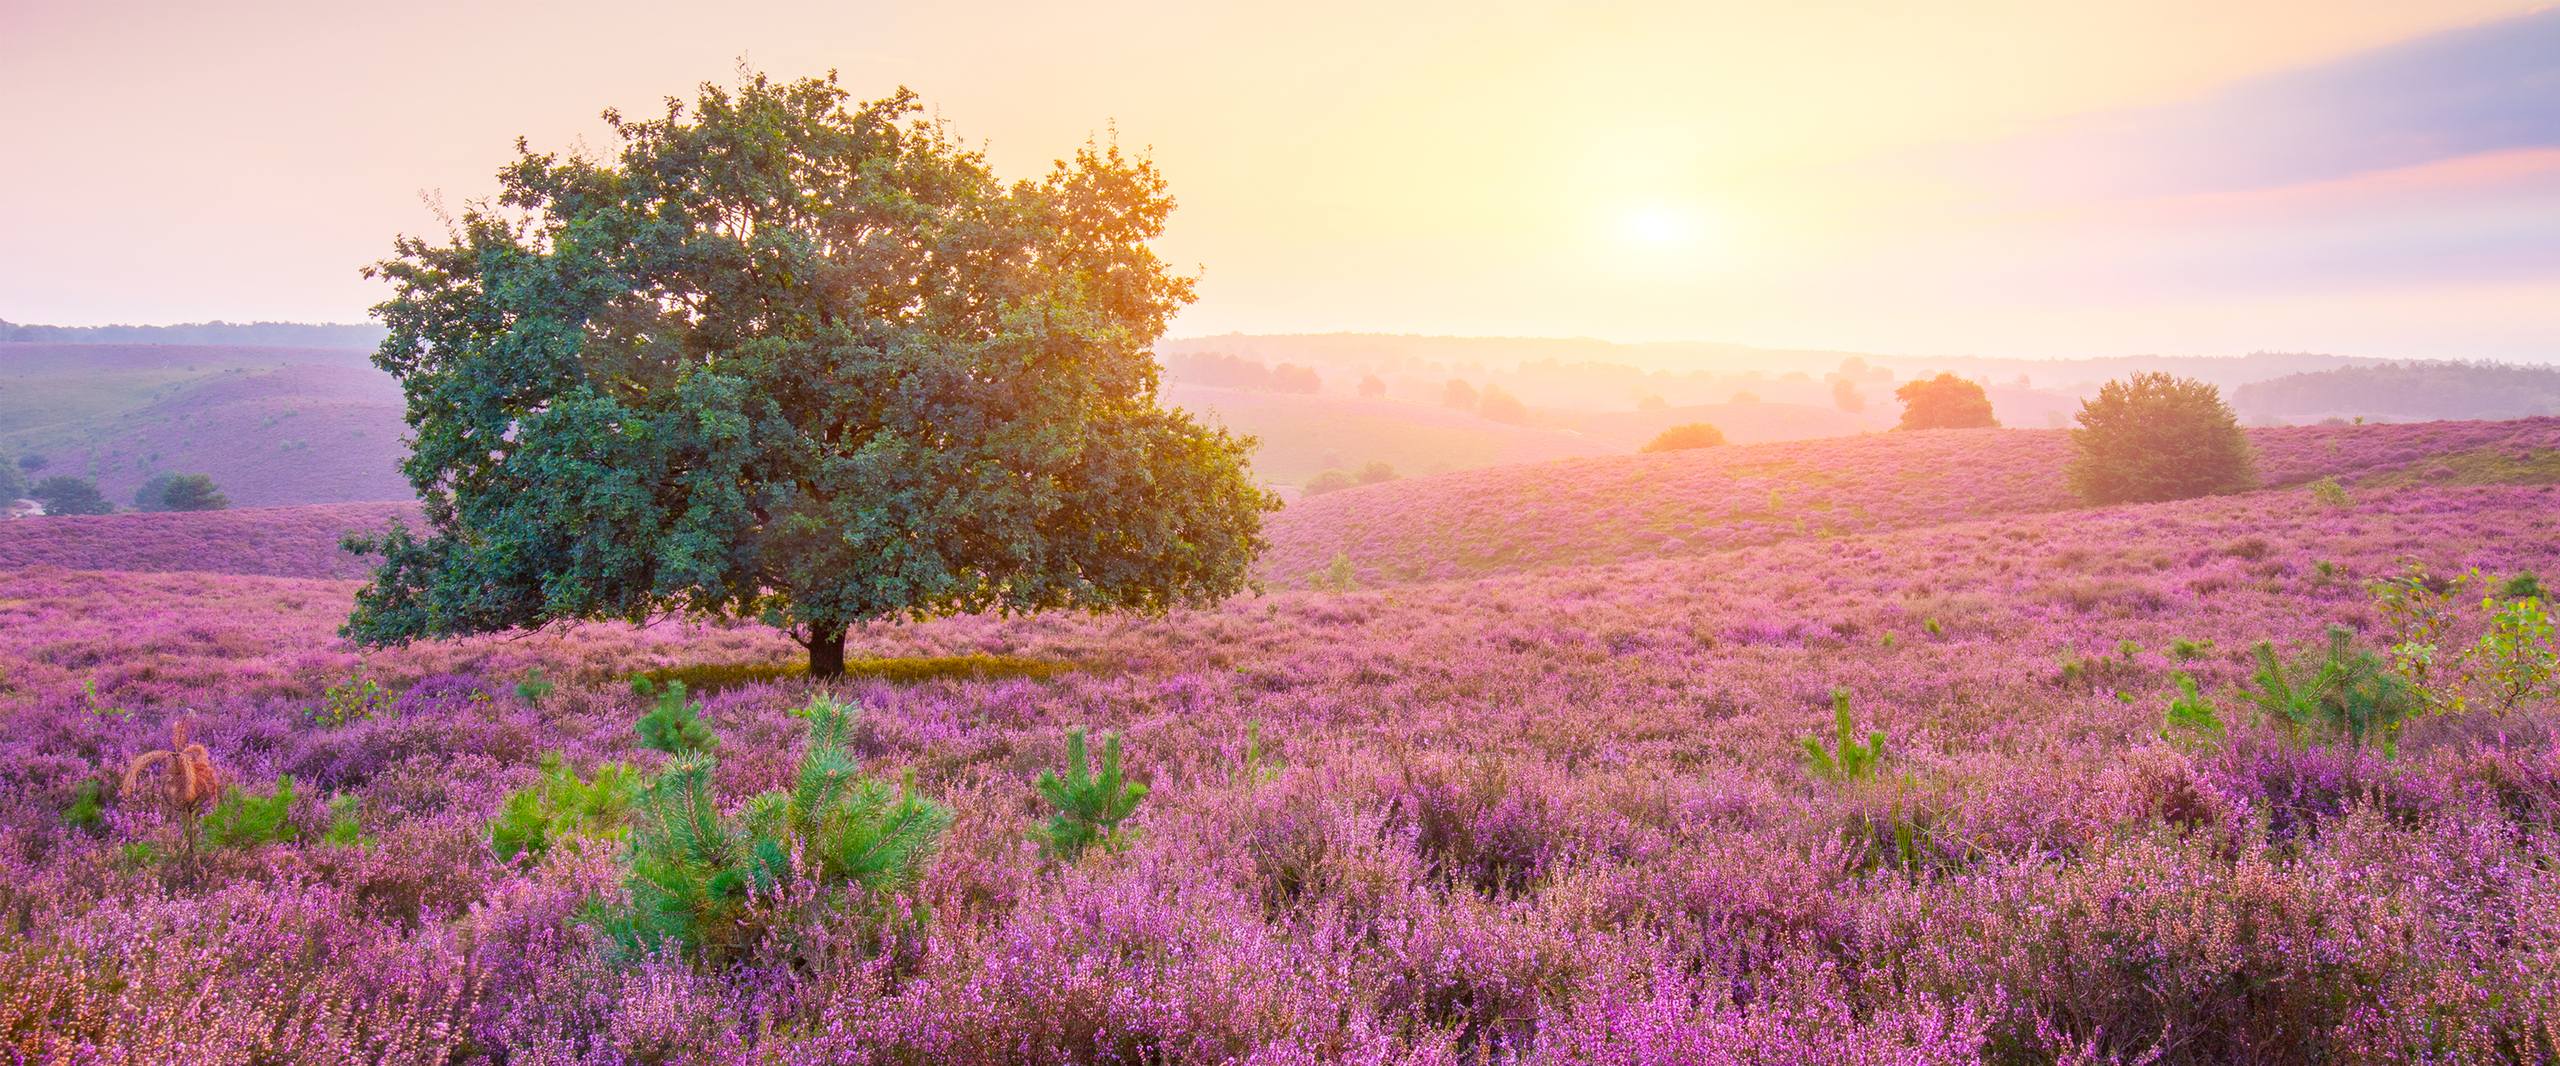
(1714, 499)
(1554, 815)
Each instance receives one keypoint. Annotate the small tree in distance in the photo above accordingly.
(2152, 437)
(1681, 438)
(1944, 402)
(780, 356)
(63, 494)
(180, 492)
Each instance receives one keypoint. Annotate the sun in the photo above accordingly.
(1660, 225)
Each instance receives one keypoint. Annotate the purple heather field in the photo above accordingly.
(1502, 766)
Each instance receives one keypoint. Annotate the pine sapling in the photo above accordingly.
(245, 819)
(1849, 761)
(675, 724)
(2191, 721)
(1090, 804)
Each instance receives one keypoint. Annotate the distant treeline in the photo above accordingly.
(2407, 392)
(1241, 372)
(274, 334)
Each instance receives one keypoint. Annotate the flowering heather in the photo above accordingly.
(1690, 503)
(273, 541)
(1557, 814)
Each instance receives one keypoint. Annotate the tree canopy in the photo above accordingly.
(180, 492)
(788, 357)
(2153, 437)
(65, 494)
(1944, 402)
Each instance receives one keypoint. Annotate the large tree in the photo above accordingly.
(1944, 402)
(788, 357)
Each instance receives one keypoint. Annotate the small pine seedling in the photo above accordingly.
(1931, 627)
(2524, 586)
(535, 688)
(2191, 721)
(346, 823)
(1090, 805)
(675, 725)
(562, 806)
(245, 819)
(1849, 761)
(88, 807)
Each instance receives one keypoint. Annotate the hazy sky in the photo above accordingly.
(2032, 178)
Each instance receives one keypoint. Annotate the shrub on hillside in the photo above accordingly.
(13, 483)
(2155, 437)
(1337, 480)
(180, 492)
(1683, 437)
(1501, 406)
(64, 494)
(1458, 394)
(1944, 402)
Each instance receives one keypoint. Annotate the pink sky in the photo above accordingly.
(2005, 178)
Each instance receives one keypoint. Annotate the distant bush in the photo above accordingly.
(1242, 372)
(2330, 494)
(1372, 387)
(1458, 394)
(180, 492)
(1845, 396)
(1684, 437)
(563, 806)
(2156, 437)
(13, 482)
(695, 872)
(1500, 405)
(1944, 402)
(63, 494)
(1376, 473)
(1090, 800)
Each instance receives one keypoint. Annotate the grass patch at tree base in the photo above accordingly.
(711, 677)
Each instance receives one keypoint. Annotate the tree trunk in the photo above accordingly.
(826, 651)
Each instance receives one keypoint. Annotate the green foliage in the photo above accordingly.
(674, 723)
(2152, 437)
(1338, 575)
(1376, 473)
(355, 699)
(1931, 627)
(909, 669)
(88, 811)
(63, 494)
(694, 870)
(245, 819)
(706, 399)
(2514, 659)
(563, 806)
(1944, 402)
(180, 492)
(2187, 651)
(1684, 437)
(535, 688)
(2330, 494)
(13, 482)
(2191, 721)
(1255, 764)
(2524, 586)
(1848, 760)
(1090, 802)
(2334, 692)
(346, 823)
(95, 705)
(2520, 661)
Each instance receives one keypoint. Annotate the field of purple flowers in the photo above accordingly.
(1559, 814)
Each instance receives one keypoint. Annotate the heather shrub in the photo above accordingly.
(674, 722)
(1848, 760)
(2157, 437)
(562, 806)
(1090, 800)
(2334, 692)
(695, 871)
(1685, 437)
